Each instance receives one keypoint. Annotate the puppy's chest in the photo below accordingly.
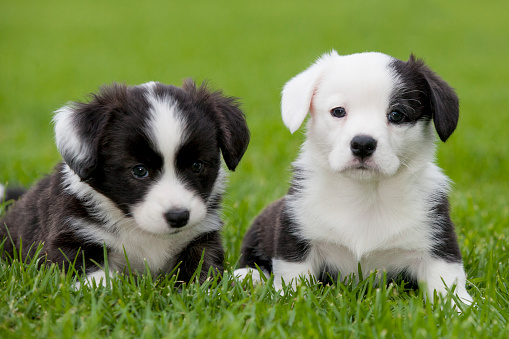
(156, 254)
(130, 247)
(363, 221)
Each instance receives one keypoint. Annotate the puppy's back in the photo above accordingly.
(258, 244)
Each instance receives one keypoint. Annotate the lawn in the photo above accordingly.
(52, 52)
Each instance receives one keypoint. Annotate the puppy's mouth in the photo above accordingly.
(362, 165)
(167, 233)
(361, 170)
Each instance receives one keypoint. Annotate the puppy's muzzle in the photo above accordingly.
(177, 218)
(363, 146)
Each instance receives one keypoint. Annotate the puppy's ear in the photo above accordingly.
(298, 93)
(233, 133)
(79, 128)
(444, 102)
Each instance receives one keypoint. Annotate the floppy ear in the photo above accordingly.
(79, 127)
(298, 93)
(444, 102)
(233, 133)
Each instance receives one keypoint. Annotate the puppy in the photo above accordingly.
(141, 176)
(365, 188)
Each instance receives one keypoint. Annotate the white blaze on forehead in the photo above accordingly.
(165, 127)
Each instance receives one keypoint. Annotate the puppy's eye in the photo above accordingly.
(140, 171)
(338, 112)
(197, 167)
(396, 117)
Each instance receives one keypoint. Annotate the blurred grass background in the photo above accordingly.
(52, 52)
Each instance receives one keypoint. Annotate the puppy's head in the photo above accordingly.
(370, 113)
(154, 150)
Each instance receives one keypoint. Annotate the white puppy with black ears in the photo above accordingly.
(365, 188)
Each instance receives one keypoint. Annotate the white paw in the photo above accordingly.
(242, 273)
(97, 277)
(464, 297)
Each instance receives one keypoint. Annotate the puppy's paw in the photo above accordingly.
(242, 273)
(98, 278)
(464, 298)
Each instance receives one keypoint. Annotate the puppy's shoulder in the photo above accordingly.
(270, 215)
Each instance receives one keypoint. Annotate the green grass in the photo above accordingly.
(53, 51)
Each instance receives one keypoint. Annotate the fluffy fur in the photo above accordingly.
(365, 188)
(141, 175)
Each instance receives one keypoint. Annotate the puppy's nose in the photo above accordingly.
(363, 146)
(177, 218)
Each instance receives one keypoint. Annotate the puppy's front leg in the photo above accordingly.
(438, 273)
(208, 245)
(290, 272)
(283, 270)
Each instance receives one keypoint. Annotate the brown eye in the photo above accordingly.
(338, 112)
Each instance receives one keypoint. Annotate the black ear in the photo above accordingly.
(444, 102)
(79, 128)
(233, 133)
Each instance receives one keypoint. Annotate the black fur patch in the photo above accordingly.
(290, 247)
(258, 245)
(33, 220)
(272, 235)
(445, 243)
(425, 95)
(232, 132)
(299, 175)
(117, 151)
(207, 245)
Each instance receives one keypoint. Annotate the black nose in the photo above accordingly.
(363, 146)
(177, 218)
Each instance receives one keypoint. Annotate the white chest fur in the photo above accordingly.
(368, 217)
(142, 249)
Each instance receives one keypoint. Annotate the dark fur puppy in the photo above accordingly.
(366, 189)
(142, 174)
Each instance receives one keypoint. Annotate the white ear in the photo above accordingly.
(69, 143)
(298, 93)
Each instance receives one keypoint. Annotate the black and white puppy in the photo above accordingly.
(365, 188)
(141, 175)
